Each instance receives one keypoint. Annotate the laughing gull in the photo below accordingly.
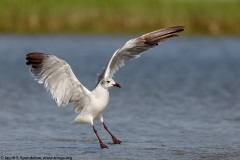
(59, 79)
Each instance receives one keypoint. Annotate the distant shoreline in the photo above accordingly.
(209, 17)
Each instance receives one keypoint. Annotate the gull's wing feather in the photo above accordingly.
(59, 79)
(135, 47)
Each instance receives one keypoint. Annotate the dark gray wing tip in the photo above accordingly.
(153, 38)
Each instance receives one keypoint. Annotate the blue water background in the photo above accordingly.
(180, 100)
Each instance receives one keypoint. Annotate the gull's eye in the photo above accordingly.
(108, 81)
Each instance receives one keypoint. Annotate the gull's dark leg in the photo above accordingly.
(102, 145)
(114, 139)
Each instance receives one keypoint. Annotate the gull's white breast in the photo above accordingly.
(98, 102)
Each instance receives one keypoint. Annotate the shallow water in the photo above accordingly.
(180, 100)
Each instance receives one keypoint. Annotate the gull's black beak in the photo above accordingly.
(117, 85)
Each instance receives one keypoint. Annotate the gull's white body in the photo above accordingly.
(59, 79)
(99, 98)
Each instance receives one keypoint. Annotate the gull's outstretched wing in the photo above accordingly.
(59, 79)
(135, 47)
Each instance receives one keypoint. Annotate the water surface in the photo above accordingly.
(180, 100)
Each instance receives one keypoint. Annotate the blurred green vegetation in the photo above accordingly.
(215, 17)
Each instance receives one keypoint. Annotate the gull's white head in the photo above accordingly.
(108, 82)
